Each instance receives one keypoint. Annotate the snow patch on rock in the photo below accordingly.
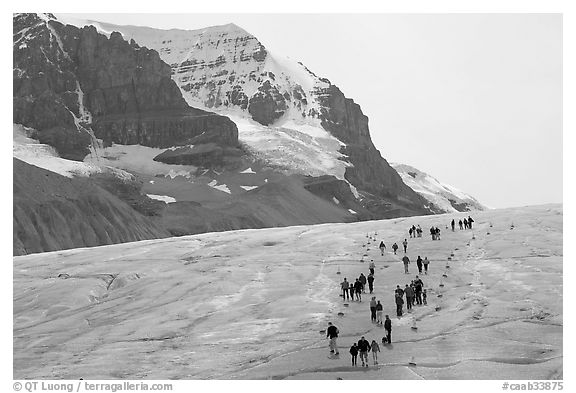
(164, 198)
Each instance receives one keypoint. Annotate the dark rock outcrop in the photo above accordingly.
(70, 81)
(337, 191)
(53, 212)
(208, 155)
(267, 104)
(166, 128)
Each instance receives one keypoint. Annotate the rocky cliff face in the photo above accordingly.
(70, 82)
(225, 69)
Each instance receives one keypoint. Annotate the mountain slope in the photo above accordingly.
(444, 196)
(54, 212)
(283, 110)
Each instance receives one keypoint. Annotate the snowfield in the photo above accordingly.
(44, 156)
(253, 304)
(303, 148)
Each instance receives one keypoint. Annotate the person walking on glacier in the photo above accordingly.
(419, 264)
(399, 303)
(379, 312)
(354, 353)
(363, 348)
(345, 285)
(418, 285)
(363, 280)
(405, 244)
(358, 290)
(406, 261)
(409, 292)
(394, 248)
(425, 262)
(388, 328)
(382, 248)
(332, 334)
(375, 348)
(371, 282)
(373, 309)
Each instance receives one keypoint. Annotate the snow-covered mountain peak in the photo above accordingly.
(444, 196)
(227, 70)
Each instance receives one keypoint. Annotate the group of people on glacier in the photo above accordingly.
(413, 293)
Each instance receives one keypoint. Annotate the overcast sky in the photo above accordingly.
(475, 100)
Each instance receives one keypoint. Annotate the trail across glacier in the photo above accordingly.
(252, 304)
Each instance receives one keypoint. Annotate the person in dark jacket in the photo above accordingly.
(399, 291)
(388, 328)
(470, 221)
(332, 334)
(405, 244)
(410, 232)
(345, 285)
(399, 303)
(363, 280)
(370, 282)
(363, 348)
(379, 311)
(433, 233)
(460, 224)
(418, 284)
(354, 353)
(453, 224)
(394, 248)
(409, 292)
(358, 290)
(419, 264)
(382, 247)
(406, 261)
(465, 224)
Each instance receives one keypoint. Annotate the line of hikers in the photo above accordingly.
(467, 223)
(415, 293)
(363, 346)
(395, 246)
(415, 231)
(419, 262)
(354, 291)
